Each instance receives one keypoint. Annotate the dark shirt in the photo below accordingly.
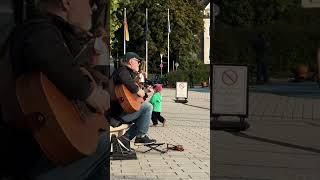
(126, 76)
(49, 44)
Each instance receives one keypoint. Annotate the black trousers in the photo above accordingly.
(262, 72)
(156, 116)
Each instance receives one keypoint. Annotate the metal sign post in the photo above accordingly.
(161, 64)
(176, 64)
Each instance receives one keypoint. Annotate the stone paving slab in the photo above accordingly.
(187, 125)
(281, 144)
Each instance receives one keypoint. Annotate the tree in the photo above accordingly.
(249, 13)
(114, 23)
(185, 20)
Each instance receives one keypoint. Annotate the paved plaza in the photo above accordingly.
(187, 125)
(282, 142)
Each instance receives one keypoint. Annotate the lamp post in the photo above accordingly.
(161, 65)
(176, 64)
(168, 31)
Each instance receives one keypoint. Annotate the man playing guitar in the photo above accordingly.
(126, 74)
(50, 43)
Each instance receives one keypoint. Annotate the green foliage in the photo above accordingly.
(195, 68)
(291, 32)
(190, 63)
(176, 76)
(191, 68)
(290, 46)
(186, 23)
(201, 74)
(248, 13)
(114, 23)
(232, 45)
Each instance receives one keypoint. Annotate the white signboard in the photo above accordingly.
(229, 90)
(181, 90)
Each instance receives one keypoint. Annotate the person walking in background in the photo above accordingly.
(142, 77)
(156, 101)
(260, 46)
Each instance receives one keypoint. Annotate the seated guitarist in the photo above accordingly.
(50, 43)
(126, 74)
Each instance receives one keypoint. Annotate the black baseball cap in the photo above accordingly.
(130, 55)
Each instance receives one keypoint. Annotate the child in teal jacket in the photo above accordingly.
(156, 101)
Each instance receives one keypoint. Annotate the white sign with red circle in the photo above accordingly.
(181, 90)
(229, 77)
(229, 89)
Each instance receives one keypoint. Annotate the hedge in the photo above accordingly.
(290, 46)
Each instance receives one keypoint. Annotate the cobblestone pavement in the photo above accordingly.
(281, 144)
(187, 125)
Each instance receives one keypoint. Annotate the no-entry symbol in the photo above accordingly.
(229, 77)
(181, 85)
(181, 90)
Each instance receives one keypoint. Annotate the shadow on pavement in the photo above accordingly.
(197, 106)
(271, 141)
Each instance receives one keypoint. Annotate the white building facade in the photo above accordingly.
(206, 36)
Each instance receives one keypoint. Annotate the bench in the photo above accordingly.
(118, 151)
(118, 131)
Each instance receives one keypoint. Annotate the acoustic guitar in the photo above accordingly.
(65, 130)
(129, 102)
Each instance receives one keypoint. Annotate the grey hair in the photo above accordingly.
(124, 62)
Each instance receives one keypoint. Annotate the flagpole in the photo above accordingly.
(146, 42)
(124, 32)
(168, 42)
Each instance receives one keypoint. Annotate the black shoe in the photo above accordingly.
(114, 122)
(244, 126)
(145, 140)
(124, 142)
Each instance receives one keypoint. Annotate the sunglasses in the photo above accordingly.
(135, 59)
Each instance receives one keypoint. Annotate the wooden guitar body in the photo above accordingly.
(129, 102)
(66, 131)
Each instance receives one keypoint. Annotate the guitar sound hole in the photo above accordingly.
(41, 119)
